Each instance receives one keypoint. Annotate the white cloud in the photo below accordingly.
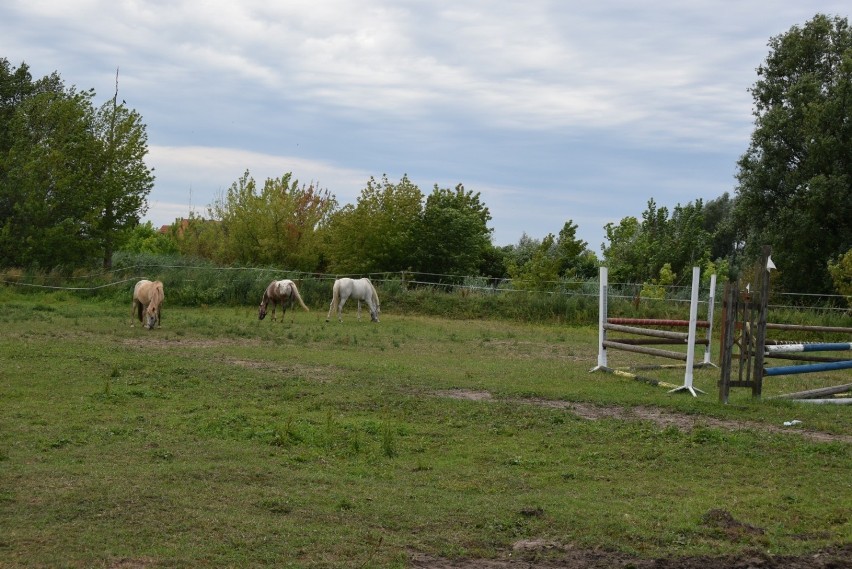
(195, 176)
(590, 109)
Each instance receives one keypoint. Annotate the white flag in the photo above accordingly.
(769, 264)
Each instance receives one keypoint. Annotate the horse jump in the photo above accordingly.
(283, 292)
(748, 316)
(630, 326)
(357, 289)
(147, 299)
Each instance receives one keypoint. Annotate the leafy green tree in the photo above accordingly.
(72, 180)
(575, 258)
(453, 237)
(624, 256)
(123, 180)
(48, 183)
(637, 252)
(198, 237)
(144, 238)
(841, 275)
(688, 244)
(277, 224)
(541, 271)
(16, 85)
(719, 224)
(795, 179)
(552, 259)
(519, 254)
(379, 232)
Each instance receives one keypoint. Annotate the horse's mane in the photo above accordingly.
(157, 294)
(375, 294)
(267, 294)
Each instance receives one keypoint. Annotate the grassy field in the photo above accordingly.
(219, 440)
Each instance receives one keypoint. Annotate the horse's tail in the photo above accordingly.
(299, 296)
(335, 294)
(375, 296)
(335, 299)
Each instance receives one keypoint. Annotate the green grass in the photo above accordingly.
(220, 440)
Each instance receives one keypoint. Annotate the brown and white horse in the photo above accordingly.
(148, 300)
(282, 292)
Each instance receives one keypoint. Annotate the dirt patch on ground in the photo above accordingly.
(321, 374)
(529, 555)
(662, 417)
(147, 342)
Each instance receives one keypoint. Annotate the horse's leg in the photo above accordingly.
(359, 311)
(133, 312)
(340, 307)
(334, 299)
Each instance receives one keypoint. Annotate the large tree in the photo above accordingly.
(72, 179)
(46, 192)
(453, 235)
(276, 224)
(123, 180)
(379, 232)
(795, 179)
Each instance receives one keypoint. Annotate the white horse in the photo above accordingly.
(357, 289)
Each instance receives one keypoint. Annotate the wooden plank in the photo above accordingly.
(644, 350)
(647, 332)
(817, 393)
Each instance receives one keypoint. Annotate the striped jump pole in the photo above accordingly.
(809, 347)
(807, 368)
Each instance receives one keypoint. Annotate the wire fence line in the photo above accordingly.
(406, 279)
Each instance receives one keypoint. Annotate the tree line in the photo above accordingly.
(74, 184)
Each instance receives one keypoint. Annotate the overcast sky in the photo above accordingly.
(552, 110)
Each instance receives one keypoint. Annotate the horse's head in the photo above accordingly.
(262, 312)
(152, 316)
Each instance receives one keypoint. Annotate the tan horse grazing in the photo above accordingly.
(148, 300)
(280, 292)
